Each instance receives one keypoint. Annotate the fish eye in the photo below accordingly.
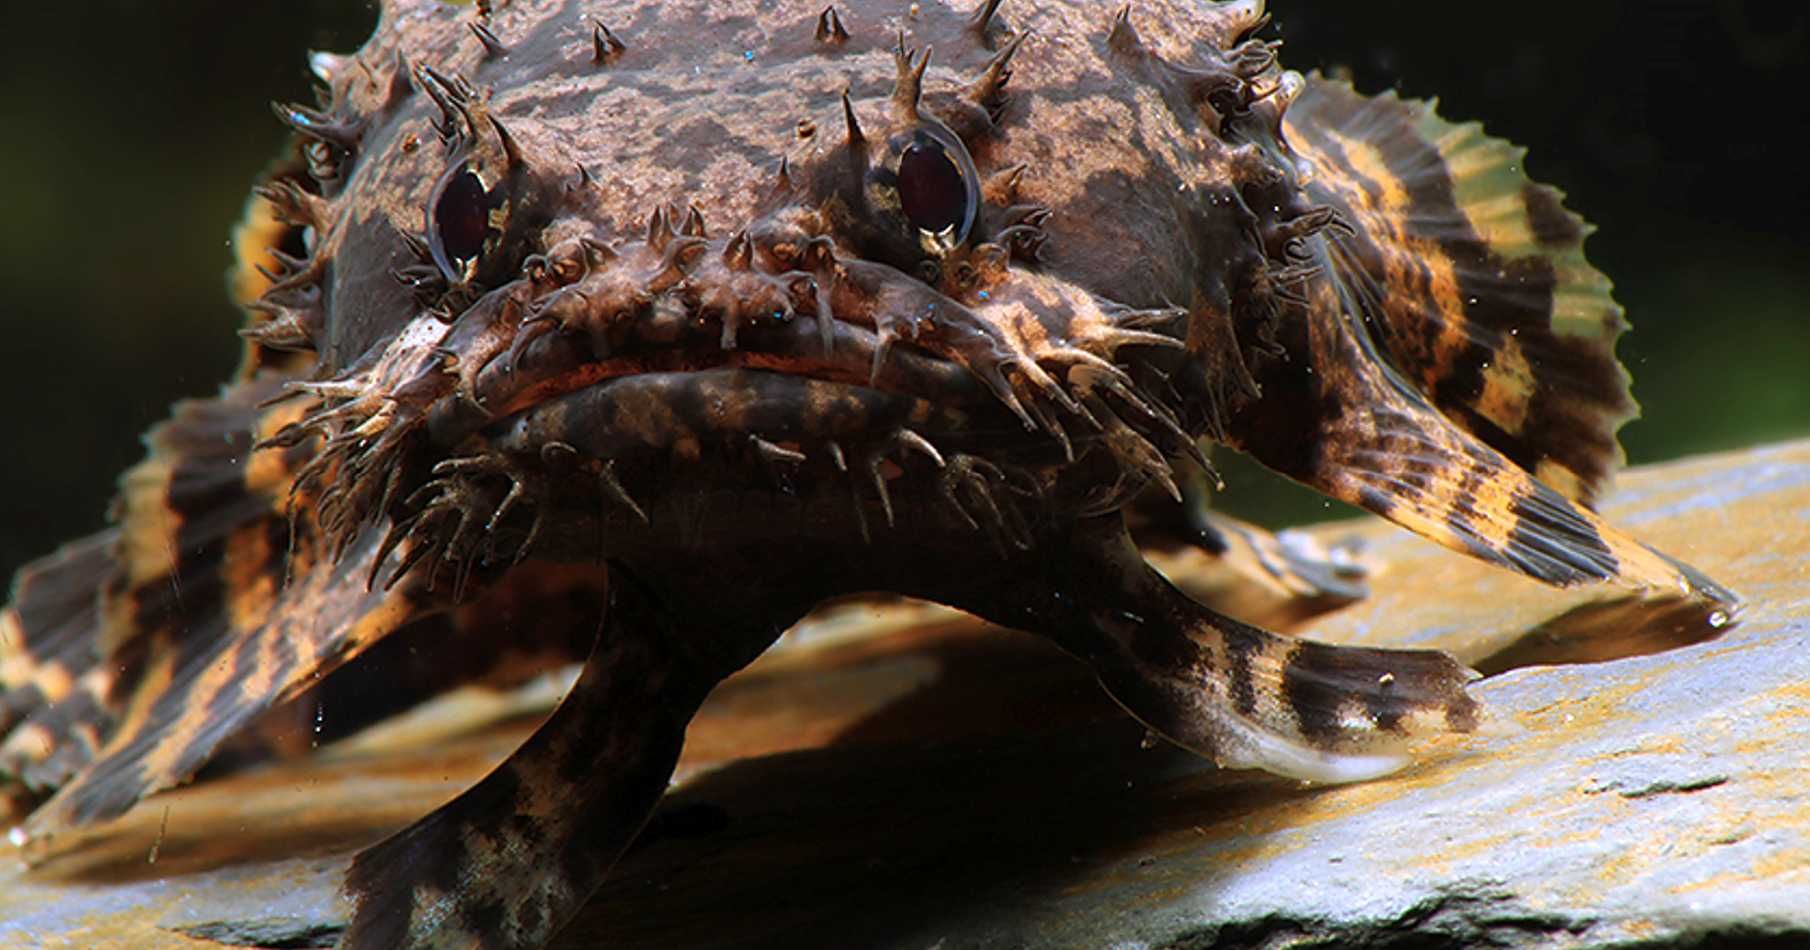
(939, 190)
(464, 220)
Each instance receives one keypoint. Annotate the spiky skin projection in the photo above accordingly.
(694, 315)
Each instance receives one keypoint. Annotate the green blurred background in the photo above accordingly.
(132, 130)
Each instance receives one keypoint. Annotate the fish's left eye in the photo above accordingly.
(939, 189)
(931, 189)
(463, 222)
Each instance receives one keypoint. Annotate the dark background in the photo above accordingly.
(132, 130)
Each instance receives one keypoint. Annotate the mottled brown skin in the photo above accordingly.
(694, 315)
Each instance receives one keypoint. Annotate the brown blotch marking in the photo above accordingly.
(1400, 459)
(1462, 518)
(538, 832)
(1563, 416)
(1480, 486)
(1391, 685)
(183, 713)
(1277, 431)
(1375, 500)
(1507, 385)
(1310, 687)
(1553, 226)
(724, 408)
(1460, 357)
(1461, 713)
(111, 784)
(59, 740)
(1241, 644)
(482, 917)
(198, 687)
(648, 415)
(431, 856)
(1159, 644)
(18, 702)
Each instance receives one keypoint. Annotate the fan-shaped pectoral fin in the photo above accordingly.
(1337, 418)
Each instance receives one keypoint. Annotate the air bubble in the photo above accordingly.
(1719, 618)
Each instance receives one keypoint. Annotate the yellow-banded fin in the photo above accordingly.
(191, 686)
(1470, 279)
(206, 619)
(51, 682)
(1336, 417)
(532, 620)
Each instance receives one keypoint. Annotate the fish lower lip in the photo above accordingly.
(556, 367)
(684, 414)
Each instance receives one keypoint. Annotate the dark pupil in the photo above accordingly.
(931, 188)
(462, 217)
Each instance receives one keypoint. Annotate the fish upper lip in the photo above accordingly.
(793, 346)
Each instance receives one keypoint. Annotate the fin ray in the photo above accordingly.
(51, 678)
(1480, 294)
(1337, 418)
(198, 626)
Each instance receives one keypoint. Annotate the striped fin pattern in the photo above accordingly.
(1471, 280)
(1340, 420)
(52, 683)
(201, 626)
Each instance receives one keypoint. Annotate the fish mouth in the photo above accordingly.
(849, 358)
(600, 362)
(844, 329)
(472, 471)
(788, 390)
